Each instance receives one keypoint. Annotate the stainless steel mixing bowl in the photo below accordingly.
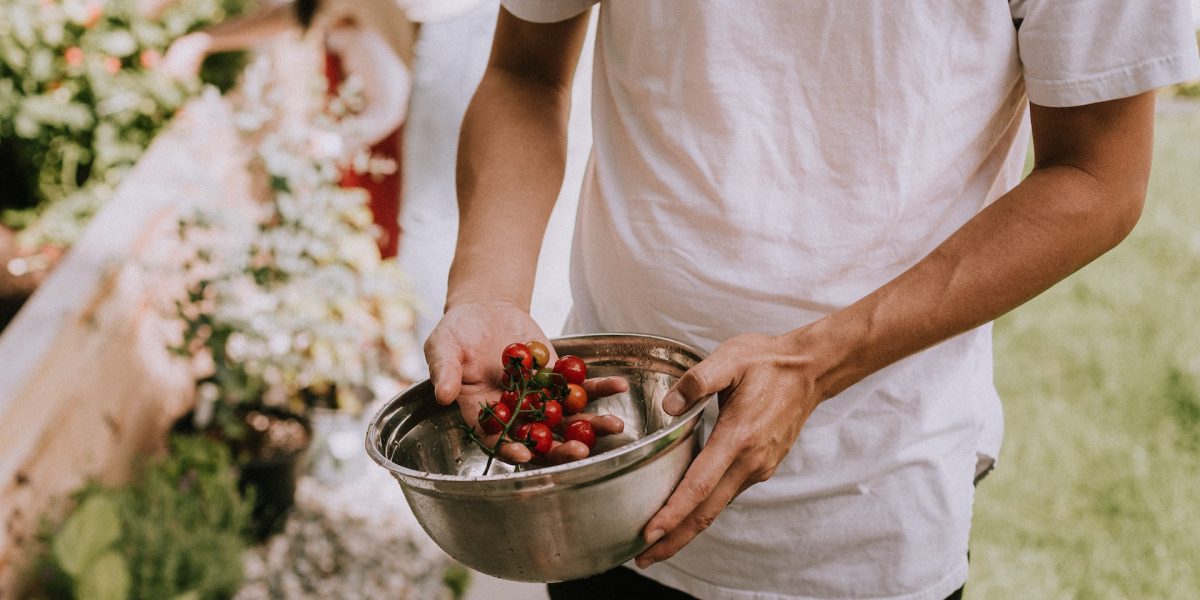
(550, 523)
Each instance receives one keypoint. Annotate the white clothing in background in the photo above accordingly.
(450, 58)
(760, 164)
(432, 11)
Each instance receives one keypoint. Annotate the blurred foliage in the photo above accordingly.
(81, 99)
(222, 69)
(457, 579)
(175, 532)
(1095, 495)
(297, 306)
(1189, 89)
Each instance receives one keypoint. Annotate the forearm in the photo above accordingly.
(1064, 215)
(386, 85)
(512, 154)
(244, 32)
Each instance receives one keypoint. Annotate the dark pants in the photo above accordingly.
(625, 583)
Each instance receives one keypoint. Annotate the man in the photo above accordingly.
(825, 195)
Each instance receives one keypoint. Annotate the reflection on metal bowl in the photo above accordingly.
(551, 523)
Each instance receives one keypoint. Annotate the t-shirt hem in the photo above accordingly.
(1117, 83)
(673, 576)
(546, 11)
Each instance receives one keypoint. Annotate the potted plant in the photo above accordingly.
(289, 309)
(176, 531)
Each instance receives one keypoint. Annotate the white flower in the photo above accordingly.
(235, 347)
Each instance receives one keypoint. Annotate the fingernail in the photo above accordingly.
(673, 403)
(642, 563)
(654, 536)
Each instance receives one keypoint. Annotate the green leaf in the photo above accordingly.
(188, 595)
(107, 578)
(88, 532)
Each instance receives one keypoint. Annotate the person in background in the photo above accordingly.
(370, 39)
(827, 196)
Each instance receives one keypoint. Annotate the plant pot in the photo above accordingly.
(274, 483)
(271, 473)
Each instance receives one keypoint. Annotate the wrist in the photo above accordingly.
(480, 297)
(833, 347)
(475, 276)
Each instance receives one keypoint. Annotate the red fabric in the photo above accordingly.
(384, 190)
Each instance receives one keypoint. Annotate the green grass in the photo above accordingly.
(1098, 490)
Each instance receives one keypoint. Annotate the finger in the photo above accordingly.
(602, 424)
(470, 405)
(697, 521)
(698, 483)
(709, 376)
(600, 387)
(515, 453)
(607, 424)
(564, 452)
(445, 372)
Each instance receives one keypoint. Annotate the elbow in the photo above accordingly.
(1109, 202)
(1124, 198)
(1127, 206)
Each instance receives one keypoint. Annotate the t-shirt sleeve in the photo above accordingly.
(1084, 51)
(547, 11)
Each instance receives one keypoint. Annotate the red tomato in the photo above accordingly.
(536, 436)
(541, 354)
(509, 398)
(517, 354)
(581, 431)
(572, 369)
(552, 413)
(532, 401)
(576, 399)
(493, 417)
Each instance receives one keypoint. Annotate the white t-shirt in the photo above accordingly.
(757, 165)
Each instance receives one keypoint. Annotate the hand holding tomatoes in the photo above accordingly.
(462, 352)
(528, 419)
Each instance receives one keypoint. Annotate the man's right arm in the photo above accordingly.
(511, 158)
(512, 154)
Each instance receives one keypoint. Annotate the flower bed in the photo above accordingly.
(80, 101)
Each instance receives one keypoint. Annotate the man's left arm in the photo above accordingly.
(1082, 198)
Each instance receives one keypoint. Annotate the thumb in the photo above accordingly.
(709, 376)
(445, 373)
(446, 377)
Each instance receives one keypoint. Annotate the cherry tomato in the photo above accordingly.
(536, 436)
(509, 398)
(517, 354)
(532, 401)
(552, 413)
(541, 354)
(581, 431)
(543, 379)
(510, 380)
(493, 417)
(576, 399)
(572, 369)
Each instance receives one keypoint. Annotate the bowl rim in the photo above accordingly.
(684, 420)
